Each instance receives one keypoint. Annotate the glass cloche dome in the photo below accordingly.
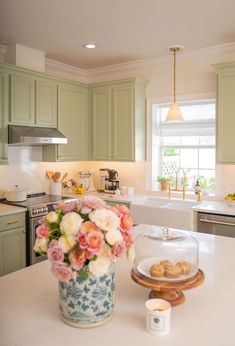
(166, 254)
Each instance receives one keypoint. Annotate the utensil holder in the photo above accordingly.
(55, 188)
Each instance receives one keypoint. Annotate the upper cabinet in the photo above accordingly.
(46, 102)
(72, 122)
(3, 116)
(225, 112)
(118, 120)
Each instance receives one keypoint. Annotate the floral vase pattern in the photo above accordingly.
(86, 303)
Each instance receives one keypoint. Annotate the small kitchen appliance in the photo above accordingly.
(112, 183)
(86, 180)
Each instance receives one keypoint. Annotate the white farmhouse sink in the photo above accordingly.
(163, 212)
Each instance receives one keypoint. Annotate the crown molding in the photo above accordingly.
(75, 73)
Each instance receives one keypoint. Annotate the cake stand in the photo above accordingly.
(170, 291)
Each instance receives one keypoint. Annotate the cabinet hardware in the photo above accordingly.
(12, 222)
(23, 231)
(218, 222)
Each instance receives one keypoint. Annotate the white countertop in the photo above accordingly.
(29, 307)
(6, 209)
(216, 207)
(105, 196)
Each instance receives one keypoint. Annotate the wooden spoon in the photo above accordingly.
(57, 176)
(50, 175)
(63, 177)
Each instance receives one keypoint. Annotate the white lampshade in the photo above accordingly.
(174, 113)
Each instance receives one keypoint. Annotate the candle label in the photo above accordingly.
(157, 322)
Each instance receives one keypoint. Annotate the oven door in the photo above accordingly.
(33, 256)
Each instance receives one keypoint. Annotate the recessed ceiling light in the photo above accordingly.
(89, 45)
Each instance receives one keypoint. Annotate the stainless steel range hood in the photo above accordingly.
(27, 135)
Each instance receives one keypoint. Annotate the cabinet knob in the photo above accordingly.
(24, 231)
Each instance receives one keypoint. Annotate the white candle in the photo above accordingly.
(158, 316)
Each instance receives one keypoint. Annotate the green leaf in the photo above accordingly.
(83, 274)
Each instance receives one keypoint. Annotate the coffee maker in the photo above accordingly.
(111, 182)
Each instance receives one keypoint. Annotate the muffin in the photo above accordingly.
(185, 267)
(172, 271)
(157, 271)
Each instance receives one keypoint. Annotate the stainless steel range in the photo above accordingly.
(38, 205)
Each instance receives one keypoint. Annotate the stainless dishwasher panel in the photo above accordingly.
(216, 224)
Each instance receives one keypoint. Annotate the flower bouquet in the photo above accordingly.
(69, 185)
(82, 239)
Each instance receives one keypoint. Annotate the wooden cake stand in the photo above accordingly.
(170, 291)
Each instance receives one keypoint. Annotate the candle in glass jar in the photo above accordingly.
(158, 316)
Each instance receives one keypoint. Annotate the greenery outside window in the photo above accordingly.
(189, 144)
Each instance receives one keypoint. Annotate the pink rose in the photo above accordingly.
(82, 240)
(62, 272)
(128, 238)
(91, 202)
(42, 231)
(55, 254)
(66, 207)
(118, 250)
(126, 223)
(120, 210)
(77, 258)
(95, 242)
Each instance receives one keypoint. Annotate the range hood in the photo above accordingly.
(27, 135)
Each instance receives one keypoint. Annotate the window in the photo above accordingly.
(189, 144)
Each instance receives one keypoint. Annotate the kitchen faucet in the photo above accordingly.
(176, 183)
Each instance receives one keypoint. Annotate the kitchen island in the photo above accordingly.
(29, 307)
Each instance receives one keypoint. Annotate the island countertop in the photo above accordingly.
(29, 307)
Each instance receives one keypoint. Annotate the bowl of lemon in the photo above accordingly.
(230, 199)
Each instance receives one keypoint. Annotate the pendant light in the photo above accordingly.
(174, 113)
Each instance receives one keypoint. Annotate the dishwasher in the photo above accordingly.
(216, 224)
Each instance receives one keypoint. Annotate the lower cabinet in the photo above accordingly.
(12, 243)
(4, 84)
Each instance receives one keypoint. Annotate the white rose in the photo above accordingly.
(41, 245)
(66, 243)
(100, 266)
(113, 236)
(52, 217)
(70, 224)
(105, 219)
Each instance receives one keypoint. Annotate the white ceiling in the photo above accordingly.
(123, 30)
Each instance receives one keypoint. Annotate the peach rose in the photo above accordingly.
(118, 250)
(126, 223)
(77, 258)
(95, 242)
(89, 226)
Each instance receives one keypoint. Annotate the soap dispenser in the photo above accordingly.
(198, 190)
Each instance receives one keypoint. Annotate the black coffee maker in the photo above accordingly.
(112, 182)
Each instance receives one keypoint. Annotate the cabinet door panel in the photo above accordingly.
(3, 117)
(123, 122)
(46, 103)
(101, 124)
(72, 112)
(22, 99)
(12, 245)
(226, 119)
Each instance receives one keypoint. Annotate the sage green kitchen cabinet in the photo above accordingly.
(12, 243)
(4, 85)
(225, 112)
(46, 102)
(118, 113)
(22, 98)
(72, 122)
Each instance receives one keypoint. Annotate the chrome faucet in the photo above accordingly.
(176, 183)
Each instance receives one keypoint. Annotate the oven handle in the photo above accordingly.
(218, 222)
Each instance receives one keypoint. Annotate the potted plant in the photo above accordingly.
(164, 182)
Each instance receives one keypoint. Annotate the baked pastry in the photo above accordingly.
(172, 271)
(165, 263)
(157, 271)
(185, 267)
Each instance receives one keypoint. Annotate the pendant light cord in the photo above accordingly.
(174, 82)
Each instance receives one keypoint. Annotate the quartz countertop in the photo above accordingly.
(109, 197)
(29, 307)
(216, 207)
(6, 209)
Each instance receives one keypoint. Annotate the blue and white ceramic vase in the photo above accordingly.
(87, 303)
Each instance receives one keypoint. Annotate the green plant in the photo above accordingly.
(162, 179)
